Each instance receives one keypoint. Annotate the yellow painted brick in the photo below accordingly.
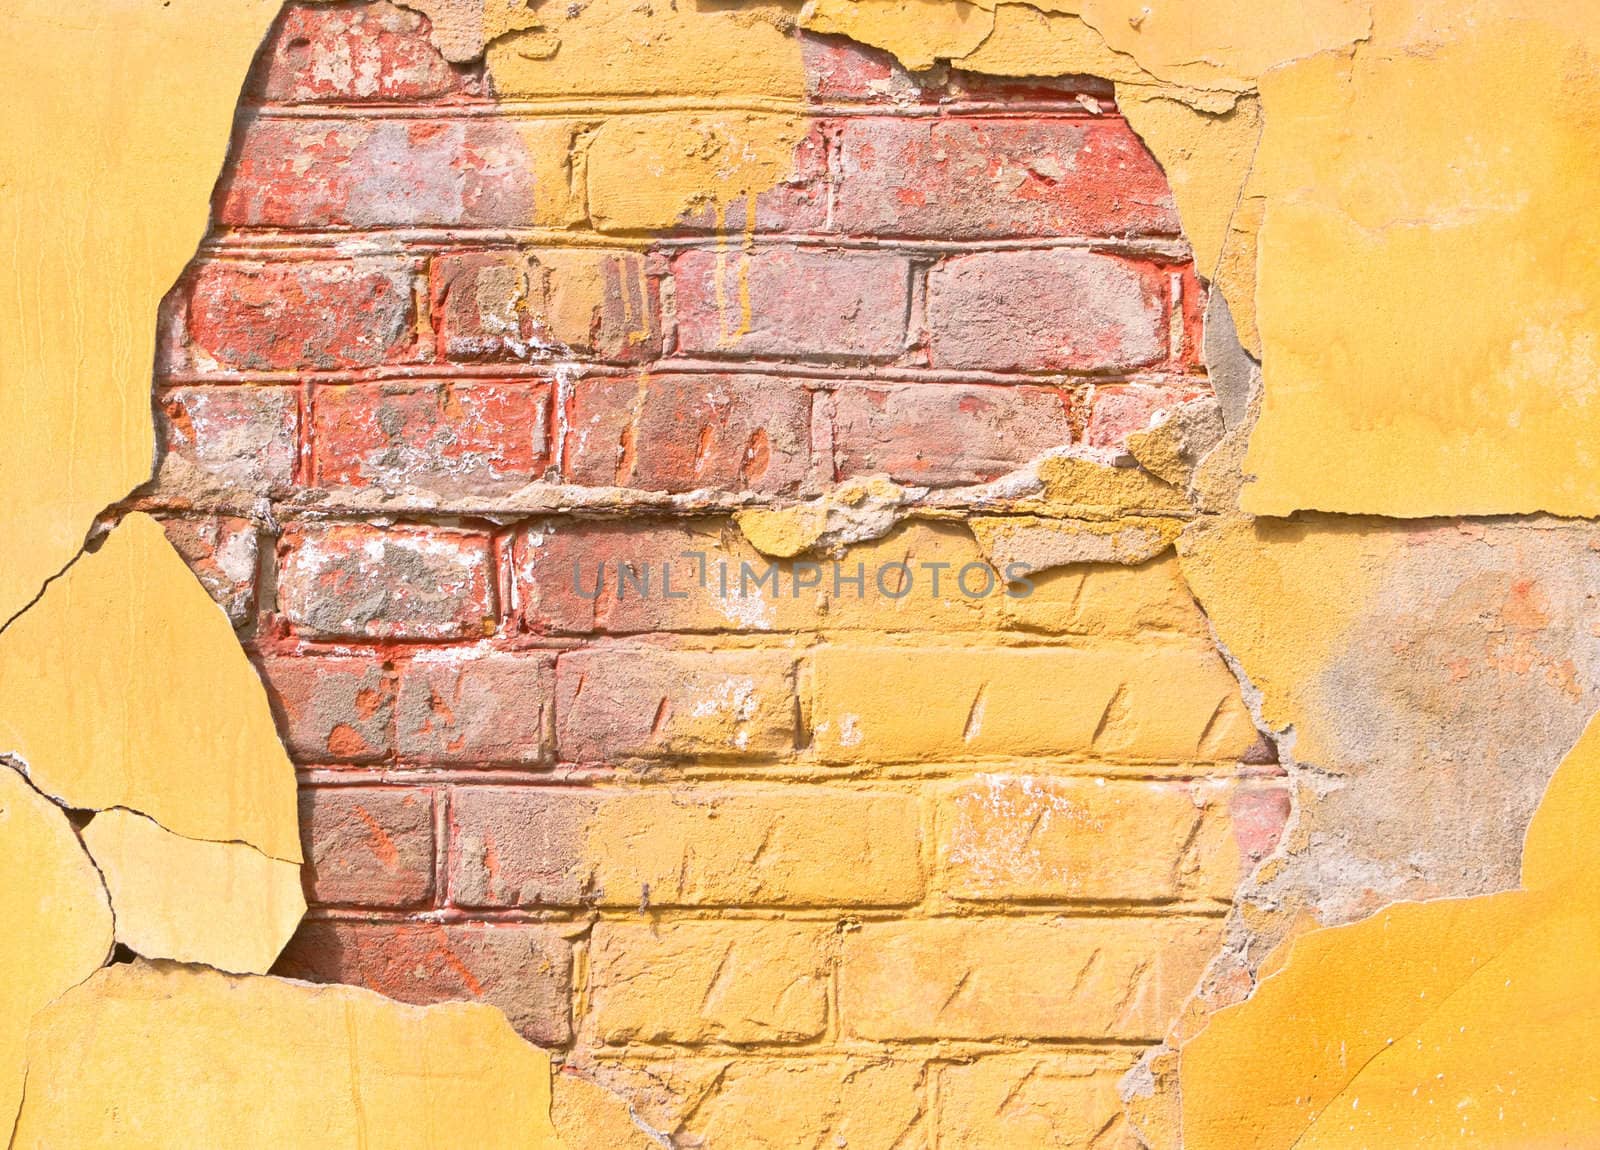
(995, 978)
(1054, 1102)
(1030, 837)
(687, 846)
(756, 1103)
(692, 982)
(1111, 600)
(921, 546)
(621, 47)
(1156, 702)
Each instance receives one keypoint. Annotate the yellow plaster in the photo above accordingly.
(223, 904)
(919, 32)
(1457, 1023)
(93, 241)
(124, 686)
(160, 1055)
(1429, 297)
(57, 920)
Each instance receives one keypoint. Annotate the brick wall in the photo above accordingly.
(904, 870)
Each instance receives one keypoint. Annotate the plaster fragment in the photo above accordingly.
(1182, 437)
(223, 904)
(853, 512)
(158, 1055)
(57, 920)
(1038, 543)
(124, 686)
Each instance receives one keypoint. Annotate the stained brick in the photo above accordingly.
(783, 301)
(687, 846)
(570, 578)
(1039, 838)
(517, 305)
(470, 708)
(742, 982)
(1020, 978)
(681, 433)
(1168, 703)
(445, 439)
(331, 709)
(367, 846)
(370, 52)
(1117, 411)
(970, 177)
(296, 316)
(622, 703)
(230, 443)
(399, 172)
(222, 551)
(1054, 310)
(524, 970)
(385, 583)
(943, 435)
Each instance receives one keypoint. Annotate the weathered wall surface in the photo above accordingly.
(888, 864)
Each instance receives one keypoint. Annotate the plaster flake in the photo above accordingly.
(223, 904)
(57, 920)
(125, 686)
(157, 1054)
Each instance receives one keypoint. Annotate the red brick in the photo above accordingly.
(369, 52)
(1118, 411)
(296, 316)
(617, 704)
(446, 439)
(477, 709)
(389, 172)
(510, 305)
(840, 70)
(222, 552)
(227, 442)
(385, 583)
(976, 178)
(566, 579)
(802, 303)
(1055, 310)
(524, 970)
(331, 709)
(682, 433)
(367, 846)
(944, 434)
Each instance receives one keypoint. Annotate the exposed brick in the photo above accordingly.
(222, 551)
(693, 982)
(299, 316)
(633, 576)
(1000, 978)
(230, 443)
(367, 846)
(1166, 703)
(622, 703)
(331, 709)
(1064, 1102)
(524, 970)
(385, 583)
(969, 177)
(371, 52)
(445, 439)
(944, 435)
(1039, 838)
(779, 301)
(683, 433)
(1055, 310)
(469, 708)
(840, 70)
(649, 173)
(516, 305)
(398, 172)
(1117, 411)
(687, 846)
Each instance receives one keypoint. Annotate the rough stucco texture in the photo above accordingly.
(777, 869)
